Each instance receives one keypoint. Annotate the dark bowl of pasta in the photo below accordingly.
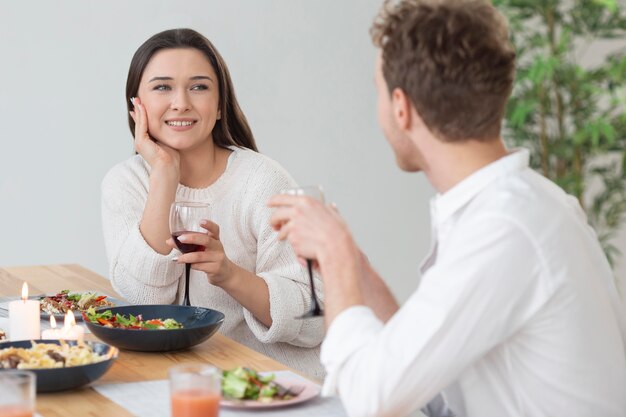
(59, 365)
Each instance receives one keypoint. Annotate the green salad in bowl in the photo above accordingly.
(121, 321)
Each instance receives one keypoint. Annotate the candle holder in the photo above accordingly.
(69, 331)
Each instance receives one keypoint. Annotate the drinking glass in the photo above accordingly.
(316, 192)
(17, 393)
(195, 390)
(185, 217)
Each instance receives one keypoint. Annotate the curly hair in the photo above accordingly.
(453, 59)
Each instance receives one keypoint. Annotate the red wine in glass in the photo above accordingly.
(186, 247)
(185, 217)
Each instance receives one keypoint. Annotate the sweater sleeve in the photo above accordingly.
(288, 283)
(137, 272)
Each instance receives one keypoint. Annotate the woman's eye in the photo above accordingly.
(199, 87)
(161, 87)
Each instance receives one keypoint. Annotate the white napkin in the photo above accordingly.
(152, 399)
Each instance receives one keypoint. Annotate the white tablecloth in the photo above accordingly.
(151, 399)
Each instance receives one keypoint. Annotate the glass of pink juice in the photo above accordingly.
(195, 390)
(17, 393)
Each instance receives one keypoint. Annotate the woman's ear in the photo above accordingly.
(401, 109)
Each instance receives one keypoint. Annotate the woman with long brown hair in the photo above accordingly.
(194, 144)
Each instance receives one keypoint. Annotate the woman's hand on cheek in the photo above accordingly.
(158, 155)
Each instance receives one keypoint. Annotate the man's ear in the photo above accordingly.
(401, 109)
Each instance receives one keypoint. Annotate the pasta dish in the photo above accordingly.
(49, 355)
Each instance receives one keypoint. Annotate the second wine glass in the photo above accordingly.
(315, 192)
(185, 217)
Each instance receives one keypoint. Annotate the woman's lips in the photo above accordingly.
(180, 125)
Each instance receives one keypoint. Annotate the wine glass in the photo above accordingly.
(313, 191)
(185, 217)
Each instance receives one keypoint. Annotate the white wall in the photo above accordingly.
(303, 71)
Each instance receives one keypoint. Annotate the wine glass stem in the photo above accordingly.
(187, 271)
(316, 307)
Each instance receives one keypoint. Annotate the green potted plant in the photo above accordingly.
(571, 117)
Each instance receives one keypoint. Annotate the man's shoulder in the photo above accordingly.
(529, 208)
(531, 199)
(525, 209)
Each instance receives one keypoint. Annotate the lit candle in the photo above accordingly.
(52, 333)
(70, 330)
(24, 317)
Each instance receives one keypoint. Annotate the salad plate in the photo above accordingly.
(153, 328)
(77, 301)
(301, 390)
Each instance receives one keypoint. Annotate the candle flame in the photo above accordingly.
(25, 292)
(69, 321)
(53, 322)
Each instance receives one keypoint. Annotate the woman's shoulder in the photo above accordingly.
(128, 171)
(260, 168)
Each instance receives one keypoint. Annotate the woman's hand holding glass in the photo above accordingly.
(212, 260)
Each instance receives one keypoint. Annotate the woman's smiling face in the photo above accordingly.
(180, 91)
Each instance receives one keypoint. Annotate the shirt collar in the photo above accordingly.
(445, 205)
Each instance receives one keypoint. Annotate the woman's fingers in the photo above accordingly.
(201, 257)
(212, 228)
(157, 154)
(195, 238)
(209, 247)
(141, 124)
(142, 138)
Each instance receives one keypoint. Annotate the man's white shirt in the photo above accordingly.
(516, 314)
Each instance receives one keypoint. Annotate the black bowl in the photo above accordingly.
(199, 324)
(62, 379)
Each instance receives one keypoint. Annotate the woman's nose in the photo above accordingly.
(180, 101)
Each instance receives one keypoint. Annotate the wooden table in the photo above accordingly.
(130, 366)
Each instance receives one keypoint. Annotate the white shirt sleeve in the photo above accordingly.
(484, 286)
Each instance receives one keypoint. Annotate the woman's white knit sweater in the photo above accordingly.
(238, 204)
